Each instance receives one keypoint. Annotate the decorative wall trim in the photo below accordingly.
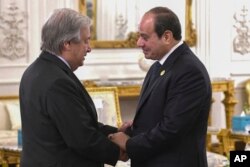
(9, 81)
(239, 74)
(13, 30)
(14, 65)
(241, 42)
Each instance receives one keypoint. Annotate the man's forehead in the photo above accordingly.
(147, 21)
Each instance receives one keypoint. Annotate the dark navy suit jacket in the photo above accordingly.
(169, 128)
(59, 120)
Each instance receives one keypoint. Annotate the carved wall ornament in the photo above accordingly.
(13, 31)
(121, 19)
(241, 42)
(121, 26)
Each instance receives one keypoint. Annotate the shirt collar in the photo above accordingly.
(171, 51)
(60, 57)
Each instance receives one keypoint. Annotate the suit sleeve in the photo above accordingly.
(106, 129)
(77, 125)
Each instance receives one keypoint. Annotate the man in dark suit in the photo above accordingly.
(170, 124)
(59, 119)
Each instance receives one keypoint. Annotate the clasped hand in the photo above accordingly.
(120, 138)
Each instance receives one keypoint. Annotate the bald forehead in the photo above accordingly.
(148, 17)
(147, 22)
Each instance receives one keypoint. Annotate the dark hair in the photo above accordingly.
(166, 19)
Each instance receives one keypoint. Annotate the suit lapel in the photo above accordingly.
(144, 86)
(147, 89)
(86, 95)
(90, 104)
(166, 67)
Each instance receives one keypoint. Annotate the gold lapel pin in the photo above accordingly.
(162, 73)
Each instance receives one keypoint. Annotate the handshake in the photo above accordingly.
(120, 138)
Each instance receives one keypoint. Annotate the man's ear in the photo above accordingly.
(168, 36)
(66, 46)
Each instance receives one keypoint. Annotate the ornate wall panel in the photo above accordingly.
(13, 32)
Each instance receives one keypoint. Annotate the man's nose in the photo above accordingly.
(139, 42)
(89, 49)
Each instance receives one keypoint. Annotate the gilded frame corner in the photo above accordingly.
(110, 96)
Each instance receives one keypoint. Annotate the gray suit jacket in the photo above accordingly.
(169, 128)
(59, 120)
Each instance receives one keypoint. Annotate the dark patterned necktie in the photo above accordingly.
(155, 72)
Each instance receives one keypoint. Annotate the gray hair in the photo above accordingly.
(64, 25)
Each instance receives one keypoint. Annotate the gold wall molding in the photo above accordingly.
(190, 34)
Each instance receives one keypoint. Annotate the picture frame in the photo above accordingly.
(89, 8)
(107, 105)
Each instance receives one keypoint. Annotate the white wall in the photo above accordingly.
(214, 24)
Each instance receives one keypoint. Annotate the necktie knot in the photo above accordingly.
(156, 68)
